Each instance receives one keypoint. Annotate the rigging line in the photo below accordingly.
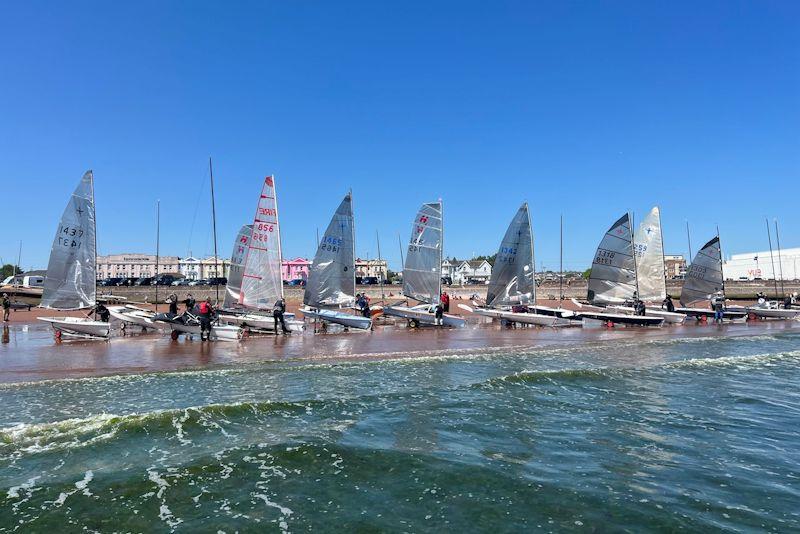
(196, 209)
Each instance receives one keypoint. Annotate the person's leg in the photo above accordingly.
(283, 325)
(275, 321)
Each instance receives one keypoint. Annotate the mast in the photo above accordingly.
(772, 258)
(94, 213)
(19, 262)
(158, 235)
(720, 262)
(560, 262)
(378, 238)
(278, 225)
(633, 250)
(352, 238)
(441, 252)
(402, 260)
(663, 260)
(780, 261)
(689, 239)
(214, 225)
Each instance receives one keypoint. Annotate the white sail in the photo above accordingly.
(704, 276)
(261, 280)
(422, 272)
(70, 282)
(234, 285)
(613, 276)
(331, 281)
(649, 249)
(512, 273)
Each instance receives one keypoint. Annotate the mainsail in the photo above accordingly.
(649, 249)
(70, 282)
(234, 285)
(422, 272)
(261, 279)
(613, 276)
(704, 277)
(331, 281)
(512, 274)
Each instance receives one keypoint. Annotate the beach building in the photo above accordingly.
(132, 265)
(448, 267)
(190, 268)
(758, 265)
(675, 266)
(296, 269)
(472, 272)
(213, 267)
(374, 268)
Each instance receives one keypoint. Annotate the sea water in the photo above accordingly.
(656, 435)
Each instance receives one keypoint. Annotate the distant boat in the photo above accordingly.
(512, 282)
(332, 279)
(612, 280)
(71, 281)
(422, 271)
(261, 281)
(704, 280)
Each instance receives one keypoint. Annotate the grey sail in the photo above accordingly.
(331, 281)
(649, 250)
(70, 282)
(512, 273)
(234, 285)
(613, 276)
(704, 277)
(423, 266)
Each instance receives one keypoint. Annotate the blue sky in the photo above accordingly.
(583, 109)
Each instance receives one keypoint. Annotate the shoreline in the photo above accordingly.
(29, 353)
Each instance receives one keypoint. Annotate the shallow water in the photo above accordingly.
(639, 435)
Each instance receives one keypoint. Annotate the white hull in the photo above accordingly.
(218, 332)
(423, 315)
(262, 322)
(345, 319)
(134, 316)
(669, 317)
(773, 313)
(78, 326)
(622, 318)
(526, 318)
(729, 314)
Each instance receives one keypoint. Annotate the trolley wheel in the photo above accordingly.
(174, 335)
(610, 324)
(58, 334)
(415, 323)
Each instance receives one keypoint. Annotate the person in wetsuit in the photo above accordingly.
(277, 315)
(190, 303)
(668, 304)
(103, 312)
(206, 314)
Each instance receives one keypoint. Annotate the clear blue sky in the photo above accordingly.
(586, 109)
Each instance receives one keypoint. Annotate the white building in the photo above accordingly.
(212, 267)
(134, 265)
(752, 265)
(190, 268)
(376, 268)
(472, 272)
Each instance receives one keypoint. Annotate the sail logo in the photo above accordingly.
(268, 211)
(268, 180)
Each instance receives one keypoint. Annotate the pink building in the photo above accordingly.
(295, 269)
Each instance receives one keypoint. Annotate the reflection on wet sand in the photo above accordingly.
(29, 352)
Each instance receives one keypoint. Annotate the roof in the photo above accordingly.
(39, 272)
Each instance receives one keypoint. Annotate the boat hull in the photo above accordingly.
(773, 313)
(78, 326)
(621, 318)
(134, 316)
(697, 313)
(218, 332)
(526, 317)
(258, 321)
(669, 317)
(345, 319)
(422, 315)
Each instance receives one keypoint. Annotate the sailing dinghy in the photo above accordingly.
(703, 280)
(332, 279)
(651, 275)
(70, 282)
(512, 285)
(612, 280)
(261, 281)
(422, 271)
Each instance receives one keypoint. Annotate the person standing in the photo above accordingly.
(277, 315)
(438, 314)
(102, 311)
(718, 305)
(173, 304)
(668, 304)
(206, 313)
(445, 302)
(6, 307)
(190, 303)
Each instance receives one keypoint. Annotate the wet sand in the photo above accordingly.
(29, 353)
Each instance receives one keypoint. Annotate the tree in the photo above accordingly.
(9, 270)
(586, 273)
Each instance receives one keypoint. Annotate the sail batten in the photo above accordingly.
(261, 278)
(649, 249)
(331, 281)
(422, 270)
(236, 270)
(613, 276)
(704, 276)
(71, 281)
(512, 279)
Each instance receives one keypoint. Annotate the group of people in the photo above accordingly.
(204, 312)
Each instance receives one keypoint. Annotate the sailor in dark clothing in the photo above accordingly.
(668, 304)
(103, 312)
(438, 314)
(787, 302)
(6, 307)
(173, 304)
(189, 302)
(206, 314)
(638, 307)
(365, 307)
(277, 315)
